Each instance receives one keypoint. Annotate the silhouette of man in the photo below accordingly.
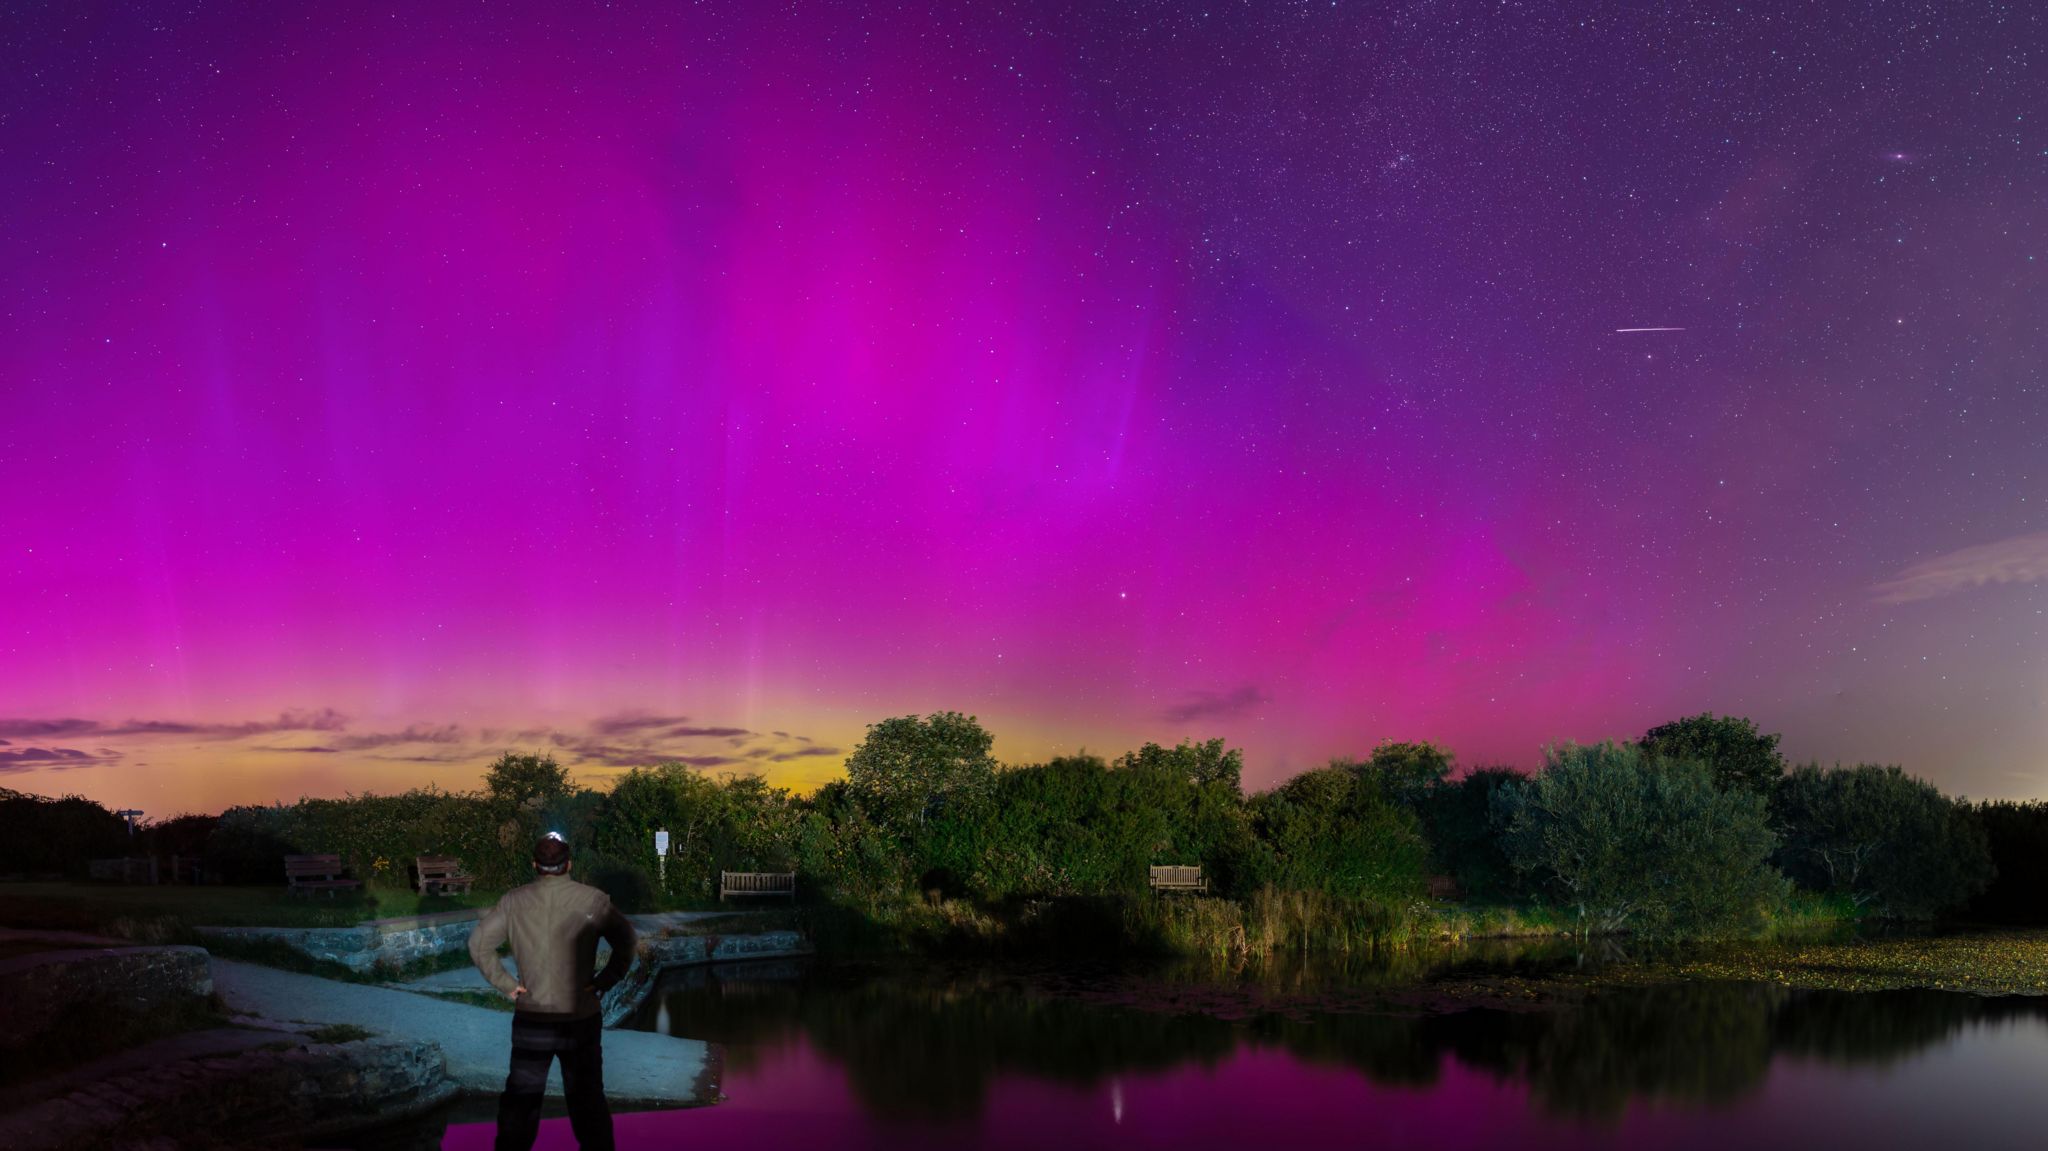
(554, 924)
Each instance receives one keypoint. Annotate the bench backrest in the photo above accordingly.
(1176, 875)
(312, 866)
(438, 866)
(764, 881)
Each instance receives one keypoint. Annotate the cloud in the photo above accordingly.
(1215, 705)
(416, 733)
(2021, 559)
(689, 732)
(53, 758)
(325, 719)
(629, 722)
(36, 728)
(802, 753)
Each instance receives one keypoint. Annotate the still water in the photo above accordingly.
(936, 1057)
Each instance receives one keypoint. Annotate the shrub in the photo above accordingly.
(40, 835)
(1892, 843)
(629, 884)
(1335, 830)
(1465, 842)
(1729, 746)
(2017, 835)
(737, 824)
(1648, 845)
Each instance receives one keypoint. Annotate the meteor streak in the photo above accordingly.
(1649, 329)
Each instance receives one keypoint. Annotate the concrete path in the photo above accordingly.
(640, 1067)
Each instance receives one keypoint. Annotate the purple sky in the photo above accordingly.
(384, 387)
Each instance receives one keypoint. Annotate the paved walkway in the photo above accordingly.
(640, 1067)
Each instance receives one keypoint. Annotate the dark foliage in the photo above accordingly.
(1730, 746)
(1891, 842)
(2017, 837)
(42, 836)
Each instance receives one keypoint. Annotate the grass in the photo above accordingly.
(128, 910)
(96, 1028)
(171, 915)
(339, 1033)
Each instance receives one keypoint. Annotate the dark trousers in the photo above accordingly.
(535, 1044)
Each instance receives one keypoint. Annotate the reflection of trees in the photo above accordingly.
(1883, 1027)
(928, 1043)
(1701, 1043)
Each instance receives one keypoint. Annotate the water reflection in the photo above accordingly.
(929, 1044)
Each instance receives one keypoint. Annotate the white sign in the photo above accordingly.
(661, 843)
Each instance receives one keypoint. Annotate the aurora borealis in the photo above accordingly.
(382, 387)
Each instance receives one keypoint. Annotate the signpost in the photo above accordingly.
(130, 814)
(661, 856)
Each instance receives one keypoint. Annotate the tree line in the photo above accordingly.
(1697, 827)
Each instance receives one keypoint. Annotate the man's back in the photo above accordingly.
(554, 924)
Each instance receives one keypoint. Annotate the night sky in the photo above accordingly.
(384, 387)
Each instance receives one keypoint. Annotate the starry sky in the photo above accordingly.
(383, 387)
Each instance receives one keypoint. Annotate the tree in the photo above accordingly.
(519, 780)
(1648, 845)
(1201, 763)
(1881, 837)
(1408, 772)
(2018, 836)
(908, 769)
(1464, 840)
(1336, 830)
(1731, 747)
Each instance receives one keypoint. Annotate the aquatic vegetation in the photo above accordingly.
(1991, 963)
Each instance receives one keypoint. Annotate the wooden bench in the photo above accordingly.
(756, 883)
(1443, 887)
(306, 874)
(1178, 877)
(442, 873)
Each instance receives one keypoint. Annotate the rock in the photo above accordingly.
(44, 991)
(389, 943)
(281, 1092)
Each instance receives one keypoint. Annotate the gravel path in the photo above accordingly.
(640, 1068)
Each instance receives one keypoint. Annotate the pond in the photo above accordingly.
(932, 1056)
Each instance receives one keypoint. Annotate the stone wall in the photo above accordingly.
(46, 990)
(276, 1095)
(663, 952)
(389, 943)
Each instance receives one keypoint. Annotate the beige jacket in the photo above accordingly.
(554, 924)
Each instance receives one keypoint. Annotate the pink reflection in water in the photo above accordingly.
(793, 1096)
(1973, 1093)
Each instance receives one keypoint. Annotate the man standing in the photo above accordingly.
(554, 924)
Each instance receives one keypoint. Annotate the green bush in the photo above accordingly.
(57, 836)
(1465, 841)
(1633, 842)
(629, 884)
(1336, 830)
(739, 823)
(1890, 842)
